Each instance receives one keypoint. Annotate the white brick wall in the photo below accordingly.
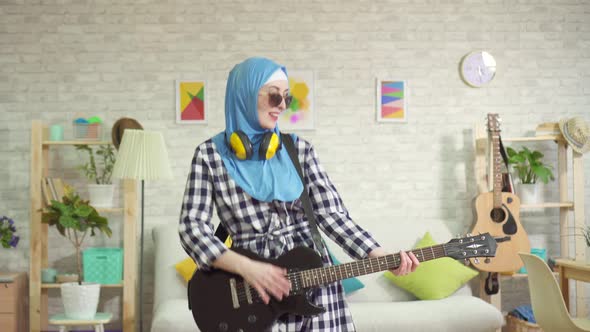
(61, 59)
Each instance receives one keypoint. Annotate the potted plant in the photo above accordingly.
(75, 218)
(530, 169)
(102, 191)
(8, 236)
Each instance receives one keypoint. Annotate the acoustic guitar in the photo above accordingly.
(221, 301)
(498, 213)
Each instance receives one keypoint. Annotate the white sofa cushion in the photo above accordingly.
(468, 314)
(169, 285)
(173, 315)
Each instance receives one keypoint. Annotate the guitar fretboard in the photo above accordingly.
(497, 172)
(325, 275)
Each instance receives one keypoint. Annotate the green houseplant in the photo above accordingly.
(106, 163)
(99, 169)
(530, 169)
(75, 219)
(529, 165)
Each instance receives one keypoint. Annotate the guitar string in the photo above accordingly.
(242, 296)
(314, 276)
(241, 290)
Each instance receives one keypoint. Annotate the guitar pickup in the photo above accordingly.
(234, 293)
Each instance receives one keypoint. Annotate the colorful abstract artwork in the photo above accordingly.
(301, 113)
(391, 101)
(190, 101)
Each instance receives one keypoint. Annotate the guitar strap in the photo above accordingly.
(492, 286)
(503, 152)
(509, 187)
(317, 239)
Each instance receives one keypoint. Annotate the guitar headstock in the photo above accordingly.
(493, 122)
(482, 245)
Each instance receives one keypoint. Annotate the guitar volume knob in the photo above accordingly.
(223, 327)
(251, 319)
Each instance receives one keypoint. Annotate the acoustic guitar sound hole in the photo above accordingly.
(498, 215)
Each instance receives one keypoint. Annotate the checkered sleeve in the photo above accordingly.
(332, 217)
(195, 227)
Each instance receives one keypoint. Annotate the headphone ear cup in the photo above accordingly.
(240, 144)
(269, 146)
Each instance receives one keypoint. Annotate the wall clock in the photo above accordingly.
(478, 68)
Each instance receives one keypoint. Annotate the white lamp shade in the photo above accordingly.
(142, 156)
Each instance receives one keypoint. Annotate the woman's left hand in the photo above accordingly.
(408, 262)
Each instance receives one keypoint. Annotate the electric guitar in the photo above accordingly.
(221, 301)
(498, 213)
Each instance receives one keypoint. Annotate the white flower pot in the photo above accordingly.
(528, 193)
(101, 195)
(80, 301)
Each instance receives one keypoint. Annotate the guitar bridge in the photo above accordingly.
(248, 292)
(234, 293)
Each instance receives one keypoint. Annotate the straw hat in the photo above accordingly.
(120, 126)
(577, 133)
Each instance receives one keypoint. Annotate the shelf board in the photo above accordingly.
(568, 205)
(533, 138)
(56, 285)
(110, 210)
(520, 275)
(80, 142)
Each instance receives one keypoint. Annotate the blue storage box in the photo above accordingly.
(103, 265)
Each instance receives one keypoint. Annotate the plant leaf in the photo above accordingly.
(83, 211)
(68, 222)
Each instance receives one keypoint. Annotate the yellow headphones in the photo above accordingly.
(242, 147)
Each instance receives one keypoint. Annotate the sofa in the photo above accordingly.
(379, 306)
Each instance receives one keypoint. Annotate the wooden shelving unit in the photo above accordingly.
(565, 205)
(40, 151)
(103, 286)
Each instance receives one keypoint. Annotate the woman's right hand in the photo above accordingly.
(267, 279)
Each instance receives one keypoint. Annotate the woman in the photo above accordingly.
(256, 189)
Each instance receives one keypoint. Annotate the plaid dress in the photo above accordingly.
(270, 228)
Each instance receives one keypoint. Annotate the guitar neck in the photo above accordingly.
(326, 275)
(497, 172)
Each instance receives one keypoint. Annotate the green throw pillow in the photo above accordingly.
(435, 279)
(351, 284)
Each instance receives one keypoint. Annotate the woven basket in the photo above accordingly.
(514, 324)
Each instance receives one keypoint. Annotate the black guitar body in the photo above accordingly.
(218, 305)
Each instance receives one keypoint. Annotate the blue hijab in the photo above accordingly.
(265, 180)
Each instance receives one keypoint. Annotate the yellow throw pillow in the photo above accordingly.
(434, 279)
(186, 268)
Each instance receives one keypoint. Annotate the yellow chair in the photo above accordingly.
(547, 302)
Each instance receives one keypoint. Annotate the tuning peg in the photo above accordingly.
(476, 260)
(466, 262)
(487, 260)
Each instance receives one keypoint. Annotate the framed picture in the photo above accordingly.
(191, 101)
(300, 115)
(392, 100)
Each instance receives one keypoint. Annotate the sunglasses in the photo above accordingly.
(275, 99)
